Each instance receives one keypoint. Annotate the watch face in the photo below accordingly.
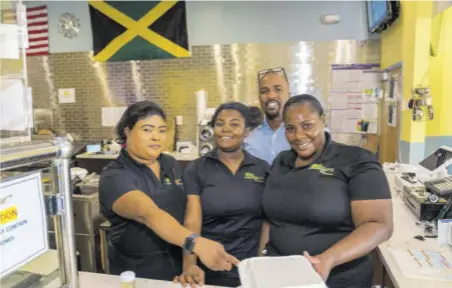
(188, 245)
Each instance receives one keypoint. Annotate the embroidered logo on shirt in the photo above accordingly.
(322, 169)
(176, 181)
(251, 176)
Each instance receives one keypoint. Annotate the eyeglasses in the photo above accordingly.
(278, 70)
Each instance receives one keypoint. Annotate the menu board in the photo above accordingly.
(354, 97)
(23, 223)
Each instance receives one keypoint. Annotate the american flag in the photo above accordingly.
(38, 29)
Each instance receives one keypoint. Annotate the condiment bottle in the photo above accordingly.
(127, 279)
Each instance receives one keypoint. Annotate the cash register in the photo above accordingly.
(425, 187)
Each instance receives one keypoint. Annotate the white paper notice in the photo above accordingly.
(23, 215)
(9, 39)
(371, 80)
(353, 114)
(337, 120)
(66, 95)
(373, 127)
(13, 115)
(112, 115)
(369, 111)
(339, 101)
(347, 81)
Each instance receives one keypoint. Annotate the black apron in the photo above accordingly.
(141, 250)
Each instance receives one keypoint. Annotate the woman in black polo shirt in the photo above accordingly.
(225, 190)
(326, 199)
(142, 196)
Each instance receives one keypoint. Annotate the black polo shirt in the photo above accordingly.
(231, 203)
(125, 174)
(309, 207)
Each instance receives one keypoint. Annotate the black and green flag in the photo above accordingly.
(138, 30)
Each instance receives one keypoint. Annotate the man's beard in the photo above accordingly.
(272, 116)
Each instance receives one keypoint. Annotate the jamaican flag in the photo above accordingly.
(138, 30)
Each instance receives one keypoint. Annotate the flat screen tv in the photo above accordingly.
(380, 14)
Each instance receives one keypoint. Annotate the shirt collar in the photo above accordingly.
(162, 159)
(248, 160)
(265, 125)
(330, 150)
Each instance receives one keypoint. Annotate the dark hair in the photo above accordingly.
(304, 99)
(237, 106)
(256, 116)
(133, 114)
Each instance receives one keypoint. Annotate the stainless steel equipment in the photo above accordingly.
(87, 220)
(59, 205)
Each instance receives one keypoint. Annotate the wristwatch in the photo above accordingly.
(189, 243)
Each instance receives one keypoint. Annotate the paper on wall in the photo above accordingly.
(13, 115)
(369, 111)
(347, 81)
(9, 39)
(371, 80)
(111, 115)
(373, 127)
(339, 101)
(66, 95)
(336, 124)
(353, 114)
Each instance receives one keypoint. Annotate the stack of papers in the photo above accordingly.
(424, 264)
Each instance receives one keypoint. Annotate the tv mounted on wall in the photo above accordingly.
(381, 14)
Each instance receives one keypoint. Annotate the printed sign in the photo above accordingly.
(23, 224)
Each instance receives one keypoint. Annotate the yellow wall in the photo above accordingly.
(408, 41)
(391, 45)
(440, 75)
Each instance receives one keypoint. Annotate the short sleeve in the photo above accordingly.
(367, 179)
(113, 184)
(192, 185)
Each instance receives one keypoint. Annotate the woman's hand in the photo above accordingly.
(192, 276)
(321, 264)
(213, 255)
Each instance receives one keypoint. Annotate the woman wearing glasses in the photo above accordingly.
(326, 199)
(225, 190)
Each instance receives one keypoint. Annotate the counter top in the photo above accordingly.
(405, 229)
(176, 155)
(94, 280)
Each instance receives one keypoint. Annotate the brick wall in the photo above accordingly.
(226, 72)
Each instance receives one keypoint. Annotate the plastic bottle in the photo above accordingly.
(127, 279)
